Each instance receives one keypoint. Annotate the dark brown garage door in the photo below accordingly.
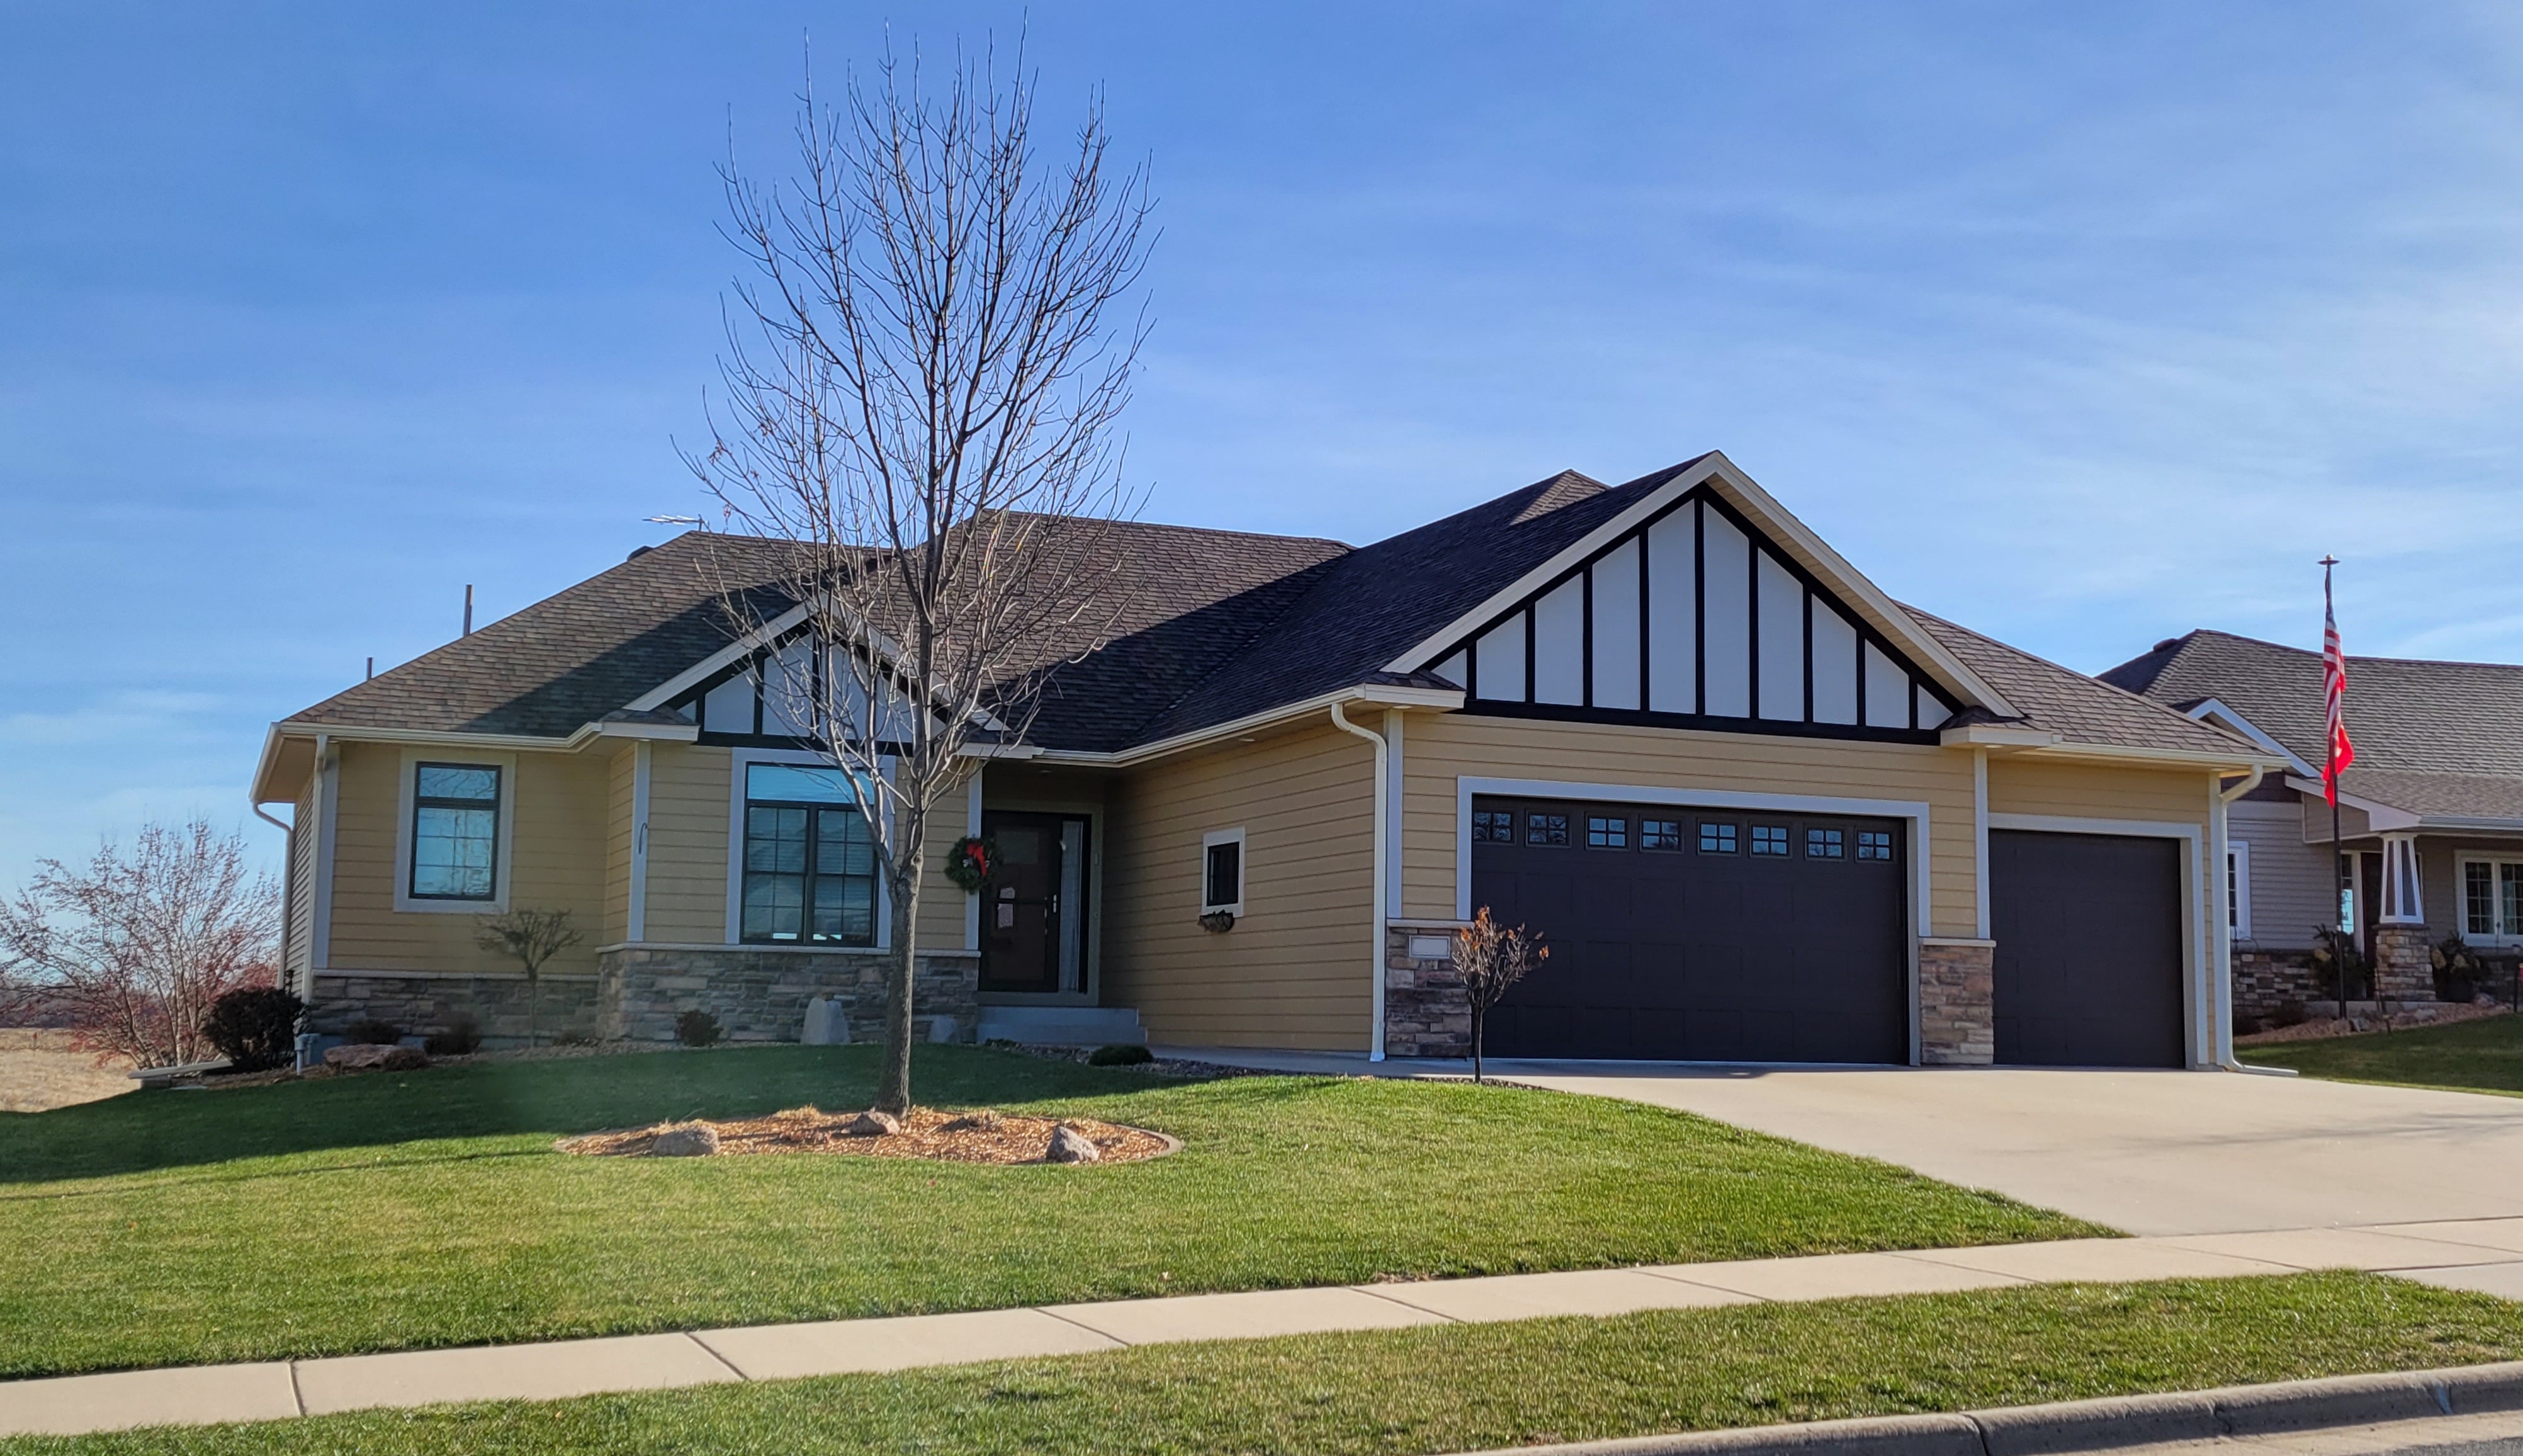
(1682, 934)
(2088, 929)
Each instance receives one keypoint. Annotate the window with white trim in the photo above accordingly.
(2238, 889)
(2491, 899)
(1221, 871)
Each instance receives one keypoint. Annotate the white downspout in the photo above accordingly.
(1383, 854)
(2223, 917)
(288, 883)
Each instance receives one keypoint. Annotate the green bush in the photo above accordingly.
(256, 1029)
(697, 1029)
(1119, 1054)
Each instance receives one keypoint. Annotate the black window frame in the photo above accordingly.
(1719, 836)
(806, 876)
(1494, 826)
(1232, 852)
(1760, 845)
(1826, 842)
(1546, 828)
(1607, 831)
(1661, 835)
(421, 800)
(1875, 840)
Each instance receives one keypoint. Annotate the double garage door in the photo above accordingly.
(1708, 936)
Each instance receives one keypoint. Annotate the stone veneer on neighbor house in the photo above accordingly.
(1957, 1002)
(759, 993)
(1425, 1011)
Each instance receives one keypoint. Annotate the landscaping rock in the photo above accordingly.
(1070, 1146)
(693, 1140)
(872, 1124)
(983, 1121)
(369, 1057)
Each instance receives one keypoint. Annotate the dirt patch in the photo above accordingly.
(2322, 1028)
(928, 1132)
(40, 1070)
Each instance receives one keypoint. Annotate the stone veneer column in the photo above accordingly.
(1957, 1002)
(2403, 968)
(1425, 1011)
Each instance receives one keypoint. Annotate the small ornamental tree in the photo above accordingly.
(531, 937)
(1490, 959)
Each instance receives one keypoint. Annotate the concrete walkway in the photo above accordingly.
(2149, 1151)
(2476, 1255)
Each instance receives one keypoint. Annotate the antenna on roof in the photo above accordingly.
(695, 522)
(468, 609)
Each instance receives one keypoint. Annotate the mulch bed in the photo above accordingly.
(944, 1137)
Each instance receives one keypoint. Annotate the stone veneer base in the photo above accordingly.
(423, 1004)
(1957, 1002)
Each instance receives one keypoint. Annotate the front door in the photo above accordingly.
(1033, 906)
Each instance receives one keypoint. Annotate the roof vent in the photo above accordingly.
(639, 552)
(2167, 642)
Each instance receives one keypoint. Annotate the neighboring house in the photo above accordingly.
(1758, 809)
(2431, 814)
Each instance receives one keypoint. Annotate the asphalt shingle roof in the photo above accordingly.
(2077, 708)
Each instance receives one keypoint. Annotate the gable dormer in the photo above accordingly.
(1695, 617)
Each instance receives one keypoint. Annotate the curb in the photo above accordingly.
(2110, 1423)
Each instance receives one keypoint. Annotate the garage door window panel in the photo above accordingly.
(1717, 836)
(1604, 831)
(1769, 840)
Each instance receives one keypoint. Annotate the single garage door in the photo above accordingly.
(2089, 968)
(1680, 934)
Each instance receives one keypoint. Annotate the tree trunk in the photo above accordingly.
(893, 1080)
(534, 1009)
(1480, 1024)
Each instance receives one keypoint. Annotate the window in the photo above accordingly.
(809, 866)
(1875, 844)
(1606, 831)
(1825, 844)
(1716, 838)
(1546, 828)
(1769, 839)
(1493, 827)
(2491, 899)
(1221, 871)
(456, 831)
(1659, 834)
(2238, 889)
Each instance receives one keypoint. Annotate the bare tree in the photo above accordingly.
(531, 937)
(1490, 959)
(137, 945)
(923, 385)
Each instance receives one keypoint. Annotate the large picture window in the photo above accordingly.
(456, 831)
(2491, 899)
(809, 866)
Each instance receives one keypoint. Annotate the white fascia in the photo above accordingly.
(2379, 815)
(1739, 491)
(2209, 710)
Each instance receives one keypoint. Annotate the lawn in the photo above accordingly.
(2482, 1055)
(1481, 1387)
(402, 1210)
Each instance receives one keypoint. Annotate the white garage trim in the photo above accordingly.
(2193, 926)
(1915, 812)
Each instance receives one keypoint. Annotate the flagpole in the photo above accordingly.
(2338, 863)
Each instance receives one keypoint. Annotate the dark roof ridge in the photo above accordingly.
(2315, 653)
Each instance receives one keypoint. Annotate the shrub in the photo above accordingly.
(462, 1035)
(374, 1031)
(2290, 1013)
(256, 1029)
(2246, 1024)
(697, 1029)
(1119, 1054)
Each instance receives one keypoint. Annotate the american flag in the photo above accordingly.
(2334, 689)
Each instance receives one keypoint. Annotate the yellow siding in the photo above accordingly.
(688, 815)
(1295, 970)
(619, 830)
(1439, 749)
(2078, 790)
(556, 861)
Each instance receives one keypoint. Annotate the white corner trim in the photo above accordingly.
(2197, 958)
(1980, 840)
(635, 927)
(405, 810)
(1243, 869)
(738, 760)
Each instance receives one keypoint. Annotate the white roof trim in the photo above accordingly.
(1741, 493)
(2211, 710)
(2379, 815)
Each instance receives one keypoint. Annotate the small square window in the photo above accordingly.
(1493, 827)
(1606, 831)
(1769, 839)
(1825, 844)
(1873, 844)
(1716, 838)
(1659, 834)
(1546, 828)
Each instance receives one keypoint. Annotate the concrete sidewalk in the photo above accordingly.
(2485, 1255)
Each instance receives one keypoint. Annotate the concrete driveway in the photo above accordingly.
(2147, 1151)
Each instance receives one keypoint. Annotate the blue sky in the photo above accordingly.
(2081, 324)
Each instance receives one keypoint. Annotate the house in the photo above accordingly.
(2430, 815)
(1758, 809)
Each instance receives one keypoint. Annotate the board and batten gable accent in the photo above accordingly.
(1696, 619)
(1293, 972)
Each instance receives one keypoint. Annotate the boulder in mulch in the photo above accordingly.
(872, 1124)
(368, 1057)
(1070, 1146)
(983, 1121)
(692, 1139)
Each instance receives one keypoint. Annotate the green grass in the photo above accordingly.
(1478, 1386)
(402, 1210)
(2482, 1055)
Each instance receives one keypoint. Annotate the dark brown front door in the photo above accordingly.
(1033, 906)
